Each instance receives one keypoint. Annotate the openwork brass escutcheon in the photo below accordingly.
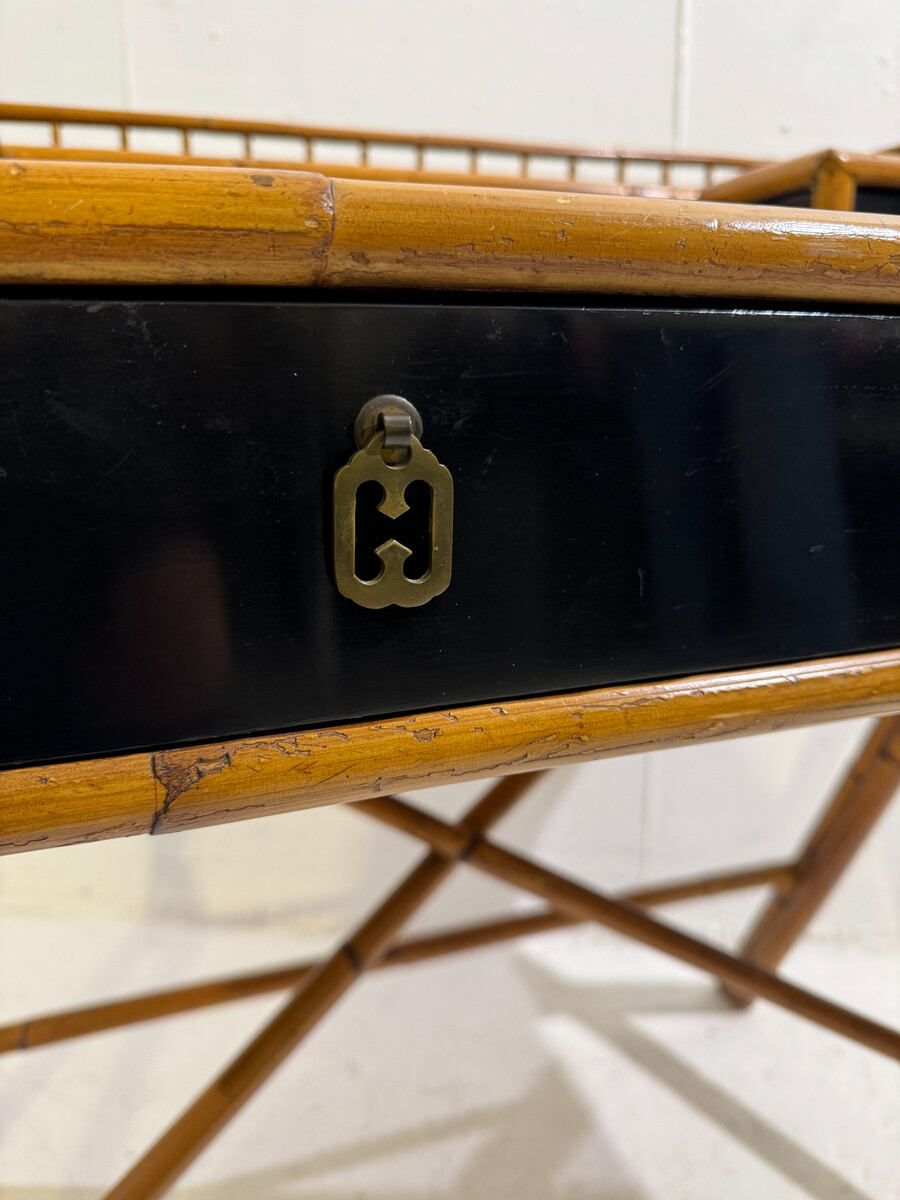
(394, 457)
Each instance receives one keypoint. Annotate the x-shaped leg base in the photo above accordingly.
(317, 987)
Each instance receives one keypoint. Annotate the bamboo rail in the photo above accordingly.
(832, 178)
(94, 223)
(188, 787)
(311, 143)
(78, 1022)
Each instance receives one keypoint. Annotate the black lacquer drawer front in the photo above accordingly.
(638, 494)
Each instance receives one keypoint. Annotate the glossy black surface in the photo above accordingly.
(640, 493)
(868, 199)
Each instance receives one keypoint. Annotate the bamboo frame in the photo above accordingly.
(833, 179)
(184, 220)
(97, 1018)
(318, 986)
(321, 985)
(188, 787)
(831, 176)
(862, 798)
(337, 170)
(88, 223)
(623, 917)
(169, 1157)
(570, 158)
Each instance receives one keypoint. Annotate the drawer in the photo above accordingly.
(640, 492)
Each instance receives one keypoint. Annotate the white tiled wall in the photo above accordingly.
(760, 77)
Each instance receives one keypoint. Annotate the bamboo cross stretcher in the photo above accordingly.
(800, 888)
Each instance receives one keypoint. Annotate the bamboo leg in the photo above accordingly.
(834, 188)
(863, 796)
(173, 1153)
(626, 918)
(61, 1026)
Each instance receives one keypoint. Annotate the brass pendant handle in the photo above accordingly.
(376, 414)
(392, 455)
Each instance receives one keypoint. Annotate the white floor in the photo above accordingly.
(570, 1065)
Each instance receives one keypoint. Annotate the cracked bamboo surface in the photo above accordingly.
(188, 787)
(90, 223)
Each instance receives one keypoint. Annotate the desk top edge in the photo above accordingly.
(136, 224)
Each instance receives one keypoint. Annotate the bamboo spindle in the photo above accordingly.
(626, 918)
(323, 986)
(78, 1022)
(833, 187)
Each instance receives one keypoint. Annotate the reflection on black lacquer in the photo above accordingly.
(639, 492)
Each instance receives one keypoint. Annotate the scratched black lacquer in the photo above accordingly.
(640, 492)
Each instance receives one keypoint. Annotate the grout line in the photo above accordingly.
(680, 83)
(126, 56)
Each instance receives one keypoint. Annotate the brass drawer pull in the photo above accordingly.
(387, 430)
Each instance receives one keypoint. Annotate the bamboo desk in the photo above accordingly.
(115, 246)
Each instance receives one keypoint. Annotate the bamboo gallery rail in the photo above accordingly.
(52, 132)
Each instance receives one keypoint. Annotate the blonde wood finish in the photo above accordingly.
(319, 991)
(103, 223)
(186, 788)
(62, 1026)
